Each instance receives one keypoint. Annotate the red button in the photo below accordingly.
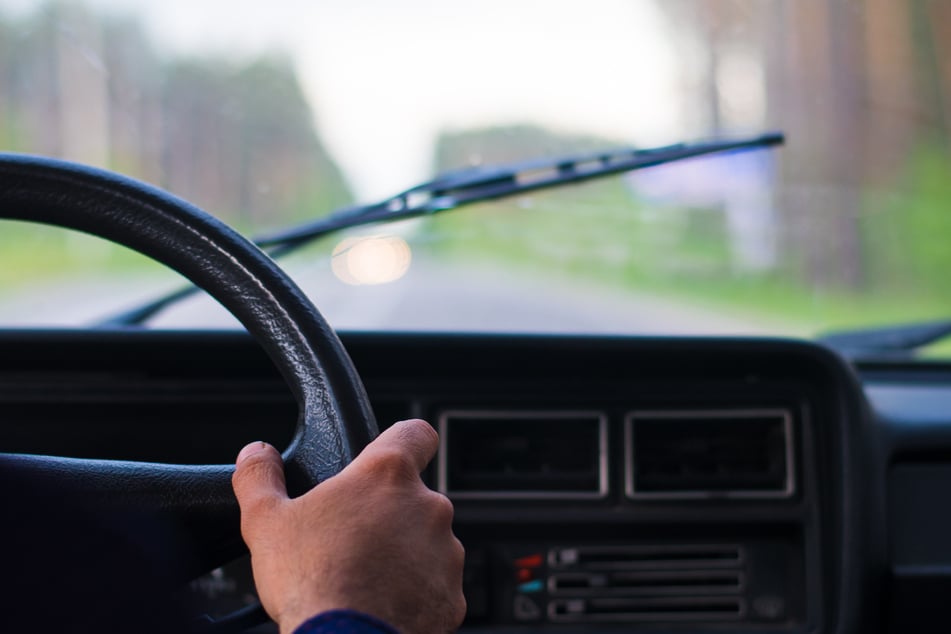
(523, 575)
(532, 561)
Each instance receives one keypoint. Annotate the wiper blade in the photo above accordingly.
(454, 189)
(887, 342)
(457, 188)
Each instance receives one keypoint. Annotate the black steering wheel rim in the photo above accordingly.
(335, 420)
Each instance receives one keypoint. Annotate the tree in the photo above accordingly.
(238, 141)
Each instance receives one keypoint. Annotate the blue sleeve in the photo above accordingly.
(344, 622)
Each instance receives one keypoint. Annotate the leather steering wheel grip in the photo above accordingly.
(335, 420)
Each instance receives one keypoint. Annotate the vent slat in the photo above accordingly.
(637, 609)
(686, 583)
(648, 557)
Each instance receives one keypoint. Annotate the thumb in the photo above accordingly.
(258, 480)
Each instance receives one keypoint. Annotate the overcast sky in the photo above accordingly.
(385, 77)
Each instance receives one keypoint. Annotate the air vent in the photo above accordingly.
(523, 454)
(709, 454)
(659, 583)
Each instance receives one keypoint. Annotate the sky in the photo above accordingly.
(385, 77)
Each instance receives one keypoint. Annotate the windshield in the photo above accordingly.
(270, 114)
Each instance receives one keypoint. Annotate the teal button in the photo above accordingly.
(531, 586)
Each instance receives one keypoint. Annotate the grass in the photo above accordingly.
(33, 253)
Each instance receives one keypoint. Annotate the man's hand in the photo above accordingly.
(373, 538)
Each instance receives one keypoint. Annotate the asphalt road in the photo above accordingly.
(431, 297)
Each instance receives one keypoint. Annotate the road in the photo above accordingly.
(431, 297)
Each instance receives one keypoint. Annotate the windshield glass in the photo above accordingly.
(270, 114)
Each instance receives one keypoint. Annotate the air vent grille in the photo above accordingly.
(523, 454)
(709, 454)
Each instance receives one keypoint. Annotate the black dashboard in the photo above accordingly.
(600, 483)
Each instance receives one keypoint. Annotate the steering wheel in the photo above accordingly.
(335, 420)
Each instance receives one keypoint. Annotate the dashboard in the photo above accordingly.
(600, 483)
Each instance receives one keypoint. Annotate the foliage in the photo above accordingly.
(236, 139)
(605, 233)
(909, 228)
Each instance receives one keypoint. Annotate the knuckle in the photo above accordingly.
(390, 464)
(249, 478)
(441, 508)
(252, 468)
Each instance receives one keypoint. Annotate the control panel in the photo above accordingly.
(718, 583)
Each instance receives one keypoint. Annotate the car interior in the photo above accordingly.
(602, 482)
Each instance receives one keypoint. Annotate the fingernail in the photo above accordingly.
(250, 450)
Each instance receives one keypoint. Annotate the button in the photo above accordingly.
(575, 606)
(523, 575)
(532, 561)
(525, 608)
(565, 557)
(531, 586)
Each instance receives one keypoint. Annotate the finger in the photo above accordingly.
(258, 478)
(413, 441)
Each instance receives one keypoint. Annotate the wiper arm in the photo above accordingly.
(457, 188)
(887, 342)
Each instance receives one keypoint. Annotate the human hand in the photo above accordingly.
(373, 538)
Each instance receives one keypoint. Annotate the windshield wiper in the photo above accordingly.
(457, 188)
(898, 342)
